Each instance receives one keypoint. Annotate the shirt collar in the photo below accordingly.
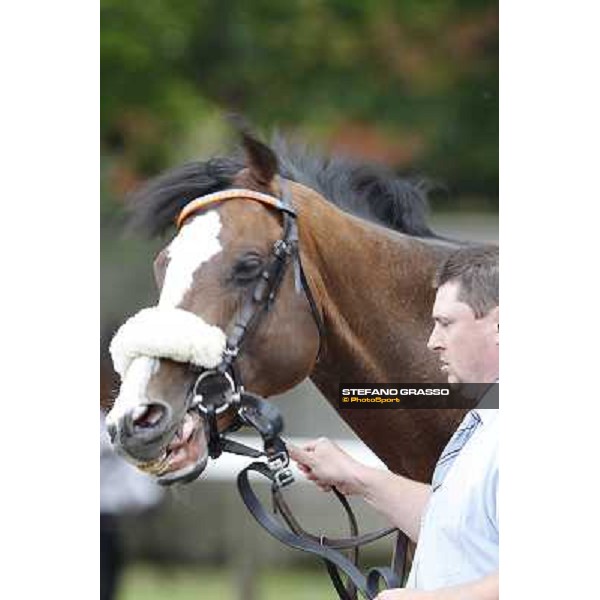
(487, 414)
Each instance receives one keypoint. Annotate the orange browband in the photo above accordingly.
(203, 201)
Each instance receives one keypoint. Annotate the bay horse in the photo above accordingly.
(368, 259)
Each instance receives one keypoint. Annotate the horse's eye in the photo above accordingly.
(247, 269)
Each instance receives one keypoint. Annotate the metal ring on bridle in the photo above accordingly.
(197, 401)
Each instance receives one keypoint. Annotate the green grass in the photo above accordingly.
(141, 582)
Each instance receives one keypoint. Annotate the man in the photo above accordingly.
(455, 519)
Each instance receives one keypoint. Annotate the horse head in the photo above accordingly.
(210, 276)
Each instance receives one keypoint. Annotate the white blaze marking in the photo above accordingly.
(166, 331)
(133, 387)
(196, 243)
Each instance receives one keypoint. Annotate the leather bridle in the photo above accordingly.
(218, 390)
(258, 301)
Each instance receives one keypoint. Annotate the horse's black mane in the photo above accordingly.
(365, 190)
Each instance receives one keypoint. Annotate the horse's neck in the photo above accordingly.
(374, 287)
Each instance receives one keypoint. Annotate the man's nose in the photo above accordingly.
(434, 343)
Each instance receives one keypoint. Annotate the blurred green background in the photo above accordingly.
(409, 83)
(406, 83)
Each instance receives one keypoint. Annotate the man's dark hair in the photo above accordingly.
(475, 269)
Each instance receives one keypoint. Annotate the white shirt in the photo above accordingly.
(458, 539)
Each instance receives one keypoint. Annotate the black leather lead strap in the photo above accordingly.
(399, 556)
(353, 543)
(291, 539)
(392, 576)
(375, 574)
(347, 592)
(350, 589)
(336, 543)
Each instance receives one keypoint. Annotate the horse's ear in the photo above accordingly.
(262, 161)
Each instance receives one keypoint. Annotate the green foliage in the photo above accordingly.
(421, 77)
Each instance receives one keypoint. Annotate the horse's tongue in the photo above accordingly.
(186, 450)
(183, 435)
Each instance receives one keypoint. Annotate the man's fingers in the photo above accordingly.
(320, 484)
(310, 446)
(300, 455)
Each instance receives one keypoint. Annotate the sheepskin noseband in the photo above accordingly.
(167, 333)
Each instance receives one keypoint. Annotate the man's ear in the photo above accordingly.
(495, 316)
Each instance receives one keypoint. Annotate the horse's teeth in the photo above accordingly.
(188, 428)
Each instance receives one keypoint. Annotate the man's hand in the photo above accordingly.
(486, 588)
(327, 465)
(401, 500)
(405, 595)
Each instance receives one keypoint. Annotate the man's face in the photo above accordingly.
(467, 347)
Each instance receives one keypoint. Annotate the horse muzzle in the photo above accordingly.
(142, 433)
(159, 443)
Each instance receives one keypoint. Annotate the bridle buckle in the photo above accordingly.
(279, 460)
(279, 465)
(283, 478)
(282, 248)
(230, 351)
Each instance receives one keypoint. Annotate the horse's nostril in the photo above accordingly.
(148, 415)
